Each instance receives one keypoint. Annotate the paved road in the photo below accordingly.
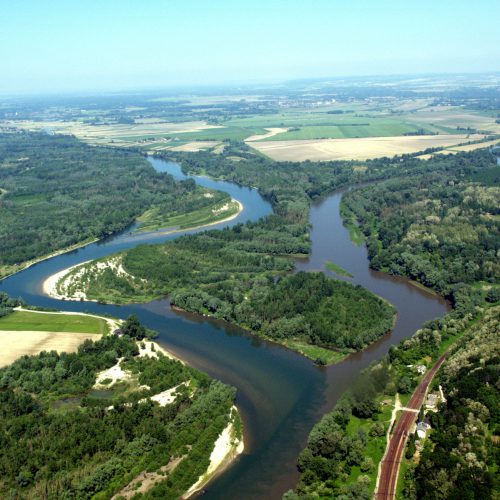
(392, 460)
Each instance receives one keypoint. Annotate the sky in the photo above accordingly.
(74, 45)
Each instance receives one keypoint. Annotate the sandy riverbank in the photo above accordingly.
(49, 286)
(226, 449)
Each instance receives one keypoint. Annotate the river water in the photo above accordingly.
(280, 393)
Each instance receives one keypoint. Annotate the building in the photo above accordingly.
(422, 428)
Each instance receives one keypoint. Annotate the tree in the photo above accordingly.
(133, 328)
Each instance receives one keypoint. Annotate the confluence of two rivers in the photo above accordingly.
(281, 394)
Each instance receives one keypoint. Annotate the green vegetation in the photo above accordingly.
(60, 438)
(204, 208)
(460, 459)
(25, 320)
(204, 277)
(7, 305)
(227, 273)
(354, 127)
(340, 445)
(338, 269)
(59, 192)
(441, 229)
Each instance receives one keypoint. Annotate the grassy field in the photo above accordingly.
(33, 321)
(316, 353)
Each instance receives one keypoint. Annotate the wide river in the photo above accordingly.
(280, 393)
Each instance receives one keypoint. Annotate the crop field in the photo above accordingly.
(356, 148)
(294, 132)
(29, 342)
(28, 333)
(116, 134)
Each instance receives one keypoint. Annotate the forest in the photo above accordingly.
(441, 229)
(220, 273)
(56, 192)
(62, 438)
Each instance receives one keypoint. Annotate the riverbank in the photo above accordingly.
(14, 269)
(227, 448)
(8, 271)
(55, 283)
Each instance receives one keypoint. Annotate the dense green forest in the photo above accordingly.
(56, 191)
(441, 229)
(61, 438)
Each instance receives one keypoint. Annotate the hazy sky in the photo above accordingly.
(114, 44)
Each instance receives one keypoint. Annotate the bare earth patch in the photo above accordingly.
(260, 137)
(20, 343)
(193, 147)
(356, 148)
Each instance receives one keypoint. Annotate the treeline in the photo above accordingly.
(56, 191)
(58, 440)
(7, 304)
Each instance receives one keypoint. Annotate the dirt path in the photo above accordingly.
(391, 462)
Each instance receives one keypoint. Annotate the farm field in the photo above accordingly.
(285, 121)
(30, 342)
(28, 333)
(78, 323)
(356, 148)
(116, 134)
(458, 149)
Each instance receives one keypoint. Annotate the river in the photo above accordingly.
(280, 393)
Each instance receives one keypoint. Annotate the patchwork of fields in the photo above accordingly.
(332, 131)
